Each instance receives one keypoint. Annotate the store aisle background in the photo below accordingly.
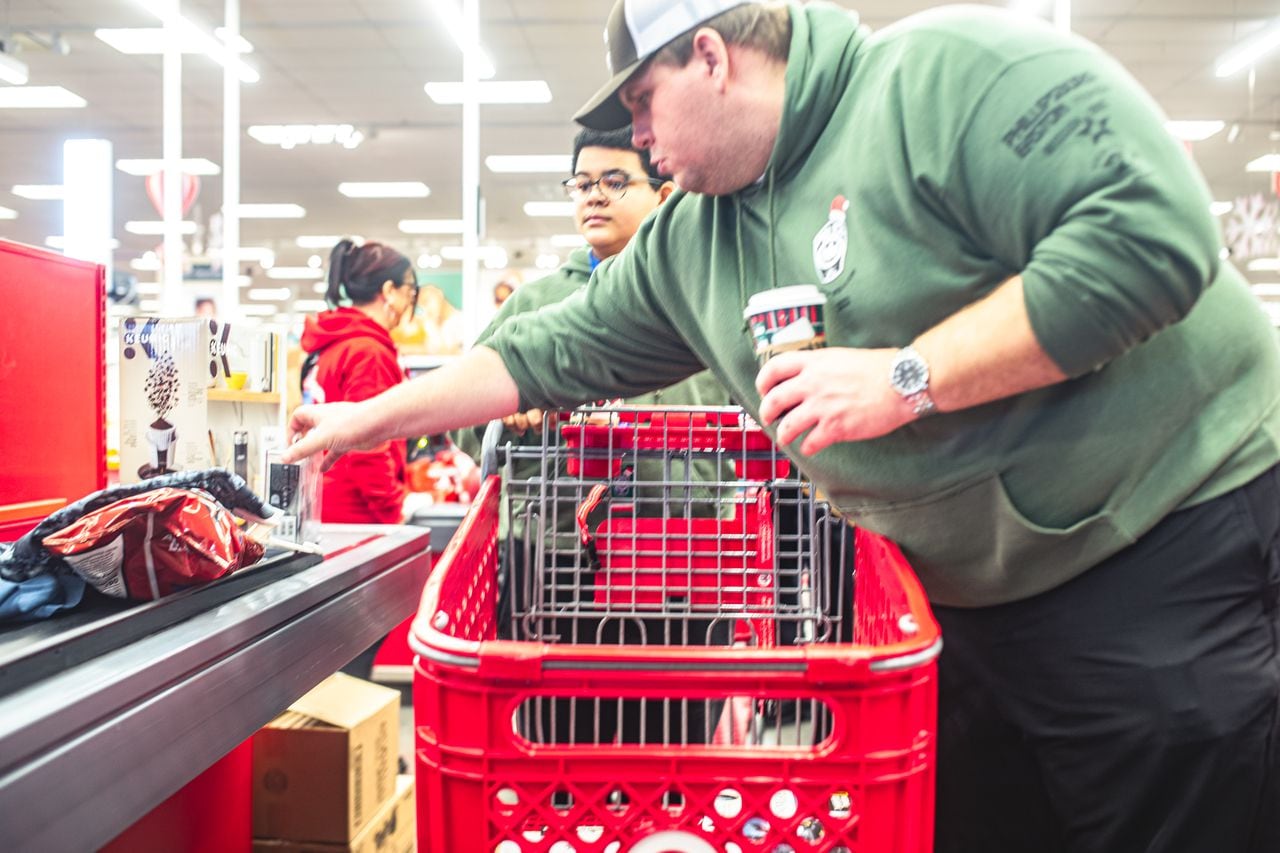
(363, 64)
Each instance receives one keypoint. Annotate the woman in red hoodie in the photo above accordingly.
(354, 358)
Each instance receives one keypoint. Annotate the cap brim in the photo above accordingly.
(605, 110)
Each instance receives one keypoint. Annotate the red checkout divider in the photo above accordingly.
(52, 383)
(213, 813)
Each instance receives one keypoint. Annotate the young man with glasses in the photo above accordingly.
(614, 188)
(1039, 377)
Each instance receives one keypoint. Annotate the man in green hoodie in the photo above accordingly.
(1040, 379)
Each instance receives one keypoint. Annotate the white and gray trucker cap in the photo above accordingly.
(636, 30)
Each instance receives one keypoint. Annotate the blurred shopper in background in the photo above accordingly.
(441, 322)
(435, 327)
(502, 292)
(352, 357)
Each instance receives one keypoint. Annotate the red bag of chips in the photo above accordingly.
(152, 544)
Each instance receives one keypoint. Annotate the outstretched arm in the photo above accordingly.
(474, 389)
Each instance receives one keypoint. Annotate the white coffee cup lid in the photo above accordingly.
(784, 297)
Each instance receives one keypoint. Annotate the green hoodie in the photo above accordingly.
(699, 390)
(972, 146)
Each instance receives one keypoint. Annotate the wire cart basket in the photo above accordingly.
(675, 645)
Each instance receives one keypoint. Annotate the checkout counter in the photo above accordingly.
(106, 712)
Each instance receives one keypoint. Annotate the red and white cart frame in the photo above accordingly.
(697, 655)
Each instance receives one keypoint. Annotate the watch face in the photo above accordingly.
(910, 375)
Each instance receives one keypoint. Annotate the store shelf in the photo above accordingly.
(226, 395)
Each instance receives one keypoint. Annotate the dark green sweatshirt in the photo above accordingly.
(699, 390)
(972, 145)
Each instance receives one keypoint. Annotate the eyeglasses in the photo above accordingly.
(613, 185)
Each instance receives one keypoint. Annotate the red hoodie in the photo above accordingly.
(358, 360)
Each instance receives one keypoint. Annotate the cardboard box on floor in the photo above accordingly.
(323, 768)
(392, 830)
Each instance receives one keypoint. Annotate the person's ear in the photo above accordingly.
(388, 287)
(712, 56)
(667, 188)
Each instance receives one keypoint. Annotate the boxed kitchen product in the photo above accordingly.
(294, 488)
(164, 376)
(326, 766)
(240, 359)
(392, 830)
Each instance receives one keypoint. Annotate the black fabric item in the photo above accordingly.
(27, 557)
(1131, 709)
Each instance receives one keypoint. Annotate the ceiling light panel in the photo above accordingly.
(151, 166)
(295, 273)
(317, 241)
(40, 192)
(530, 163)
(8, 213)
(384, 189)
(155, 227)
(205, 42)
(39, 98)
(271, 211)
(1265, 163)
(12, 69)
(467, 39)
(59, 242)
(292, 135)
(1196, 130)
(1247, 53)
(255, 253)
(270, 294)
(431, 226)
(142, 41)
(493, 92)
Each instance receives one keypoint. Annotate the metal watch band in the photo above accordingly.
(921, 403)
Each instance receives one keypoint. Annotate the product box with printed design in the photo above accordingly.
(294, 488)
(324, 768)
(167, 367)
(164, 380)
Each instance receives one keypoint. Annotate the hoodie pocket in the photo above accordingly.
(972, 547)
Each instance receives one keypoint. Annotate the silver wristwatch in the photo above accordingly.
(909, 376)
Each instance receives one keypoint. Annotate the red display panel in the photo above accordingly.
(52, 379)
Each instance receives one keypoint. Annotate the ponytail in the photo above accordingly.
(358, 272)
(337, 270)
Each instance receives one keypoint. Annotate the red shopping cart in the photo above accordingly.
(684, 649)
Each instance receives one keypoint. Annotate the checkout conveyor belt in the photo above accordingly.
(33, 651)
(108, 709)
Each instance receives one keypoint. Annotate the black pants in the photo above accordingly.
(1132, 709)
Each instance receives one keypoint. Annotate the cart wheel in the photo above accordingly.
(672, 841)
